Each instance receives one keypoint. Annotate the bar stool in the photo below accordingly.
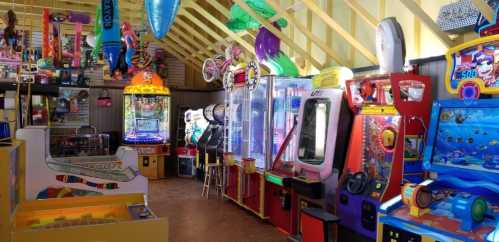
(212, 169)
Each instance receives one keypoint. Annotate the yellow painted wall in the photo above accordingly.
(429, 44)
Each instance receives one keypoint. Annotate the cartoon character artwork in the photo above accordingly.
(485, 66)
(10, 36)
(131, 41)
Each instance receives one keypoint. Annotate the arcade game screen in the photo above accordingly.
(312, 142)
(480, 61)
(468, 138)
(146, 118)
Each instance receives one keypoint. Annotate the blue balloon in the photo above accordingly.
(161, 14)
(111, 36)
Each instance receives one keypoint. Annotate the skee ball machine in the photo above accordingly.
(257, 117)
(60, 175)
(460, 201)
(146, 122)
(392, 113)
(112, 218)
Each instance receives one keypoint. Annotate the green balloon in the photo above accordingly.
(286, 65)
(240, 20)
(98, 32)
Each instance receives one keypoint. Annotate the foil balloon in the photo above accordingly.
(267, 49)
(131, 41)
(111, 43)
(98, 32)
(240, 20)
(77, 52)
(267, 45)
(161, 14)
(45, 33)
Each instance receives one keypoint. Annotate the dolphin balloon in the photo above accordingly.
(111, 41)
(161, 14)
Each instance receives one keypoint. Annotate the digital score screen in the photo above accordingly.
(147, 125)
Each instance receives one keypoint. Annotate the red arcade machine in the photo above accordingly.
(392, 113)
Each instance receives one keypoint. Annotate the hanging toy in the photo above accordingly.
(45, 33)
(77, 52)
(111, 44)
(10, 33)
(98, 33)
(56, 47)
(131, 41)
(161, 14)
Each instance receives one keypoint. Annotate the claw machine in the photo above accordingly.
(258, 117)
(146, 115)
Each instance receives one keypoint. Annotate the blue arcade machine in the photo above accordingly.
(460, 201)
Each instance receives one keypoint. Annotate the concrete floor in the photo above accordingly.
(196, 219)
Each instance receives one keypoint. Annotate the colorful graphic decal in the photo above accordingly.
(468, 138)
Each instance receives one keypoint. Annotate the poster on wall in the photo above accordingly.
(72, 108)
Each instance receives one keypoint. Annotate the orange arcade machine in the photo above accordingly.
(146, 122)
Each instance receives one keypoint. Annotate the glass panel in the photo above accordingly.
(313, 134)
(286, 105)
(411, 90)
(257, 126)
(146, 119)
(468, 138)
(380, 137)
(235, 124)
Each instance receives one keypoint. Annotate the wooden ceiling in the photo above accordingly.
(199, 31)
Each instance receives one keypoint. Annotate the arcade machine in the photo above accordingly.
(215, 115)
(79, 219)
(392, 113)
(49, 176)
(281, 199)
(195, 126)
(211, 138)
(258, 117)
(460, 201)
(323, 131)
(146, 122)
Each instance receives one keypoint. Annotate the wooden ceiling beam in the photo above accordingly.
(226, 12)
(321, 44)
(196, 7)
(362, 12)
(426, 19)
(485, 9)
(173, 51)
(342, 32)
(182, 50)
(279, 34)
(196, 34)
(203, 26)
(184, 45)
(193, 42)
